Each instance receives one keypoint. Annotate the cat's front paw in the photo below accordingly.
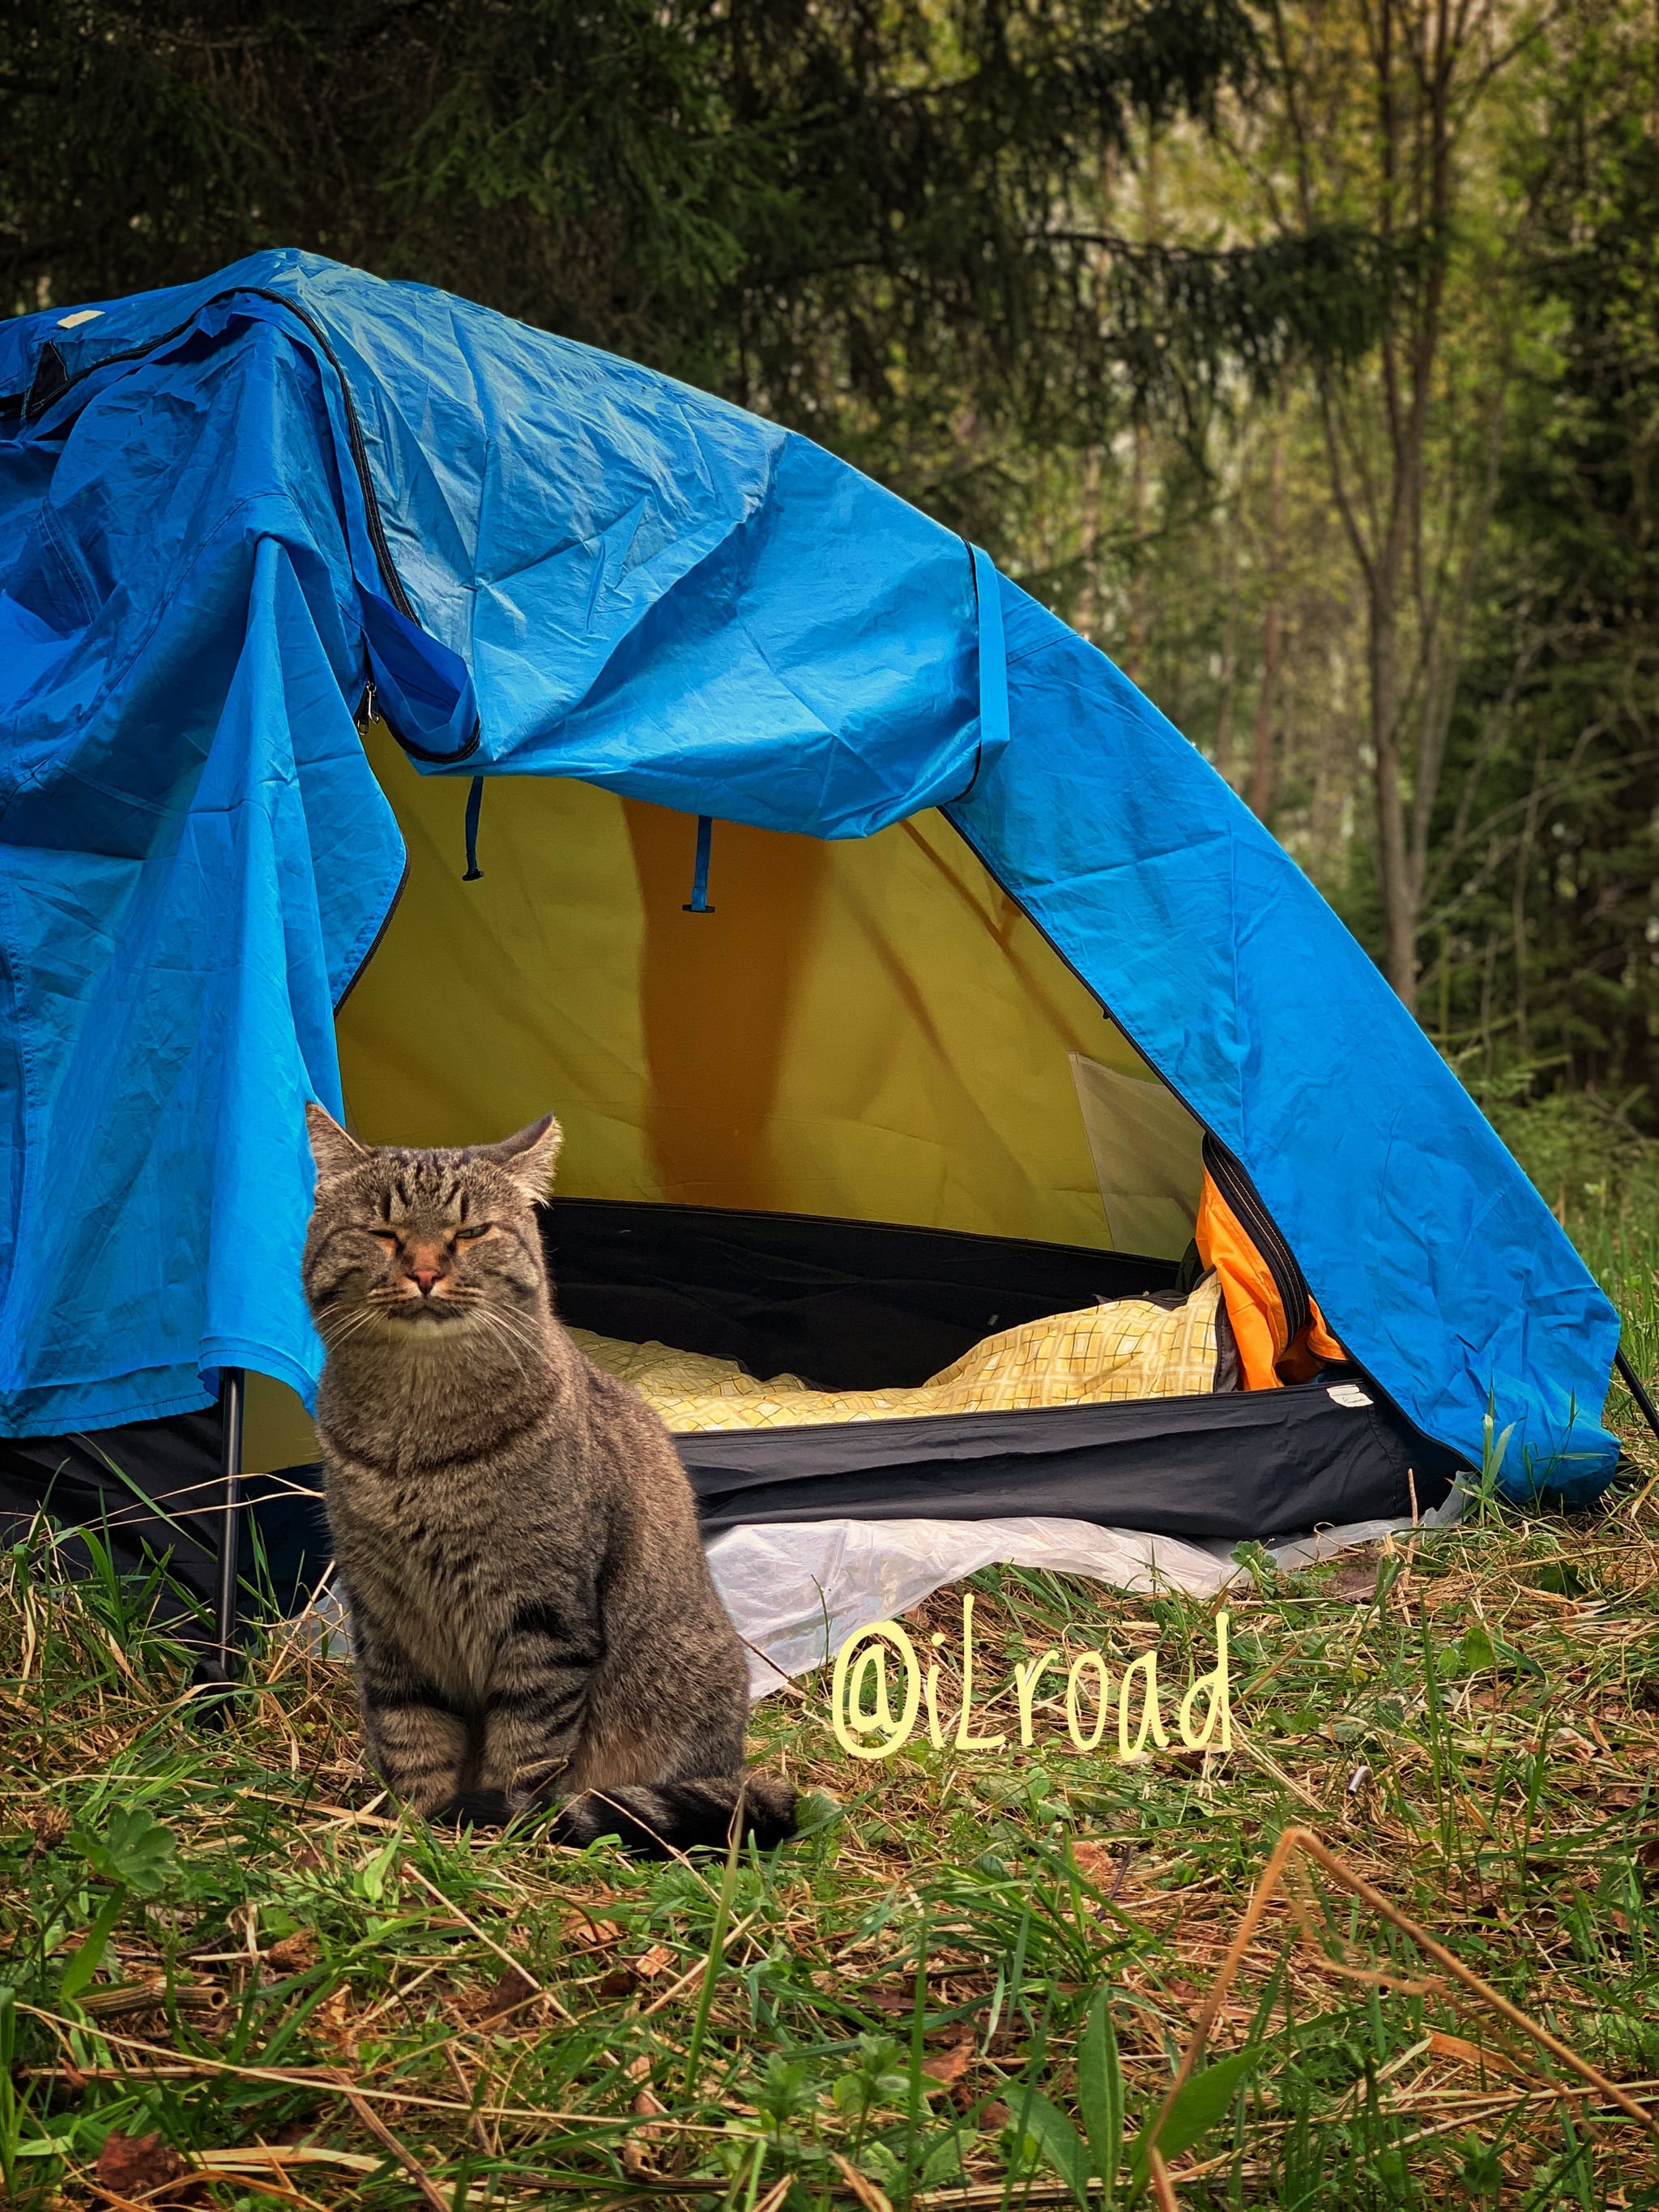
(473, 1809)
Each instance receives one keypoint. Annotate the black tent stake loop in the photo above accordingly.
(699, 904)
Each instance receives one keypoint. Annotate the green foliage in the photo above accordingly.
(1100, 2096)
(876, 2077)
(1085, 2160)
(714, 1962)
(1494, 1450)
(1549, 853)
(1202, 2102)
(134, 1851)
(1059, 2142)
(89, 1956)
(1473, 1653)
(847, 214)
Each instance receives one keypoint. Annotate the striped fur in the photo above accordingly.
(533, 1618)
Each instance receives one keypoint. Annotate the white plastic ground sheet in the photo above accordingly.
(796, 1590)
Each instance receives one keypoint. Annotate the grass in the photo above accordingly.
(231, 1977)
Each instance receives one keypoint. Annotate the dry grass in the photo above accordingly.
(304, 2000)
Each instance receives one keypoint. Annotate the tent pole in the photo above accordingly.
(1632, 1382)
(230, 1401)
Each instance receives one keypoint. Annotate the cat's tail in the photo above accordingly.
(656, 1820)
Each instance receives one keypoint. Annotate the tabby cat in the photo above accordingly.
(533, 1619)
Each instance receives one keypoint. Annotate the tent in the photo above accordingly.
(411, 710)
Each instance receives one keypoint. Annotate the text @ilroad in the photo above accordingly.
(866, 1725)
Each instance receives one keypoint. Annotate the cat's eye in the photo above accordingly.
(478, 1228)
(389, 1237)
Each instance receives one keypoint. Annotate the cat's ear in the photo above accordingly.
(335, 1153)
(528, 1157)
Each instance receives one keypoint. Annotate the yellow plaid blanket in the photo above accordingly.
(1129, 1348)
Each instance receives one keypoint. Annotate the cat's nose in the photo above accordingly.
(426, 1277)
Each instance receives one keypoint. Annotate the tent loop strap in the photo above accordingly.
(474, 808)
(993, 728)
(699, 900)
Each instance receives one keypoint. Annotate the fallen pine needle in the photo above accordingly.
(489, 1941)
(871, 2199)
(178, 2064)
(382, 2134)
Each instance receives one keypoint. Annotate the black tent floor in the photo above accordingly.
(1242, 1465)
(1254, 1466)
(853, 1305)
(814, 1532)
(1201, 1470)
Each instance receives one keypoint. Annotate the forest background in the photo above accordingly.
(1303, 354)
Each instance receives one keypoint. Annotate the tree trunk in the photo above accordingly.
(1409, 89)
(1135, 644)
(1399, 894)
(1262, 733)
(1135, 655)
(1518, 893)
(1088, 597)
(1223, 720)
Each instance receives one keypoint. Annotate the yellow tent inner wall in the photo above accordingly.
(869, 1030)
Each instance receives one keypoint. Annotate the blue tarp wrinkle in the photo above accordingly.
(197, 859)
(239, 503)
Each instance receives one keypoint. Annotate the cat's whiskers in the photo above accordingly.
(534, 1346)
(475, 1296)
(336, 1333)
(516, 1346)
(531, 1338)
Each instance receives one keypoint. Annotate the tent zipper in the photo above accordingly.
(1228, 1176)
